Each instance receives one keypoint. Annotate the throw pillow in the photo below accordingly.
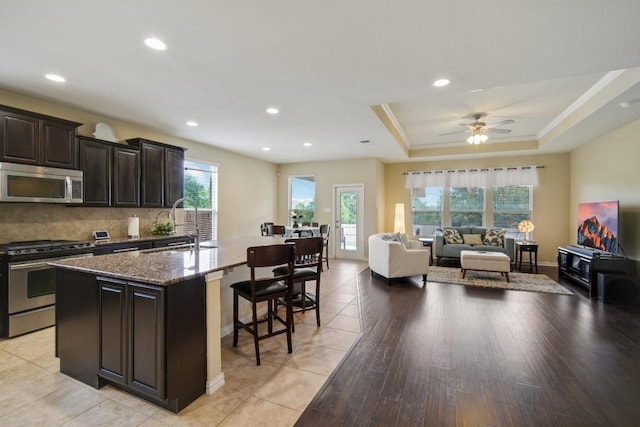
(393, 237)
(472, 239)
(405, 240)
(494, 237)
(452, 236)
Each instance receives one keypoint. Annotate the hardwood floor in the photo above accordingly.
(451, 355)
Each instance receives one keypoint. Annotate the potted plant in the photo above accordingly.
(295, 216)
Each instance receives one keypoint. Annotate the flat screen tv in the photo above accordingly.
(598, 225)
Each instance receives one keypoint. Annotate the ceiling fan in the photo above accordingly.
(478, 129)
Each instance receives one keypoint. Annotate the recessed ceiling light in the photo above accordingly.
(475, 90)
(192, 123)
(272, 110)
(155, 44)
(56, 78)
(441, 83)
(266, 149)
(307, 144)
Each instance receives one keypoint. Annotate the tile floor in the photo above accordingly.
(34, 393)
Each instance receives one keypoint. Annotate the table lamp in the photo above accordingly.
(526, 227)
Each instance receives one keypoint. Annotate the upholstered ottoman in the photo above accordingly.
(485, 261)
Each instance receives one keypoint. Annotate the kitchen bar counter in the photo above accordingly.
(167, 266)
(148, 321)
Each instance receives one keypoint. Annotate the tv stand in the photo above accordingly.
(582, 265)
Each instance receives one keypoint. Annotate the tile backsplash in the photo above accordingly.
(34, 221)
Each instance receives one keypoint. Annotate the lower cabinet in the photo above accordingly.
(148, 340)
(131, 335)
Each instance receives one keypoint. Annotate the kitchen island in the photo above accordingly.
(147, 321)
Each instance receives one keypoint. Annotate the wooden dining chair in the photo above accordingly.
(277, 230)
(325, 230)
(307, 268)
(266, 288)
(264, 228)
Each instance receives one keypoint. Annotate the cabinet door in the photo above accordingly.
(146, 342)
(125, 177)
(95, 162)
(152, 176)
(113, 330)
(59, 145)
(174, 176)
(19, 138)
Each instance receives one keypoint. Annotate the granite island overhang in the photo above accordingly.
(147, 321)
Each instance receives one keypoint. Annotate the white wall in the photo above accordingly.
(330, 173)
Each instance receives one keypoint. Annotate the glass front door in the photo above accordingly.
(349, 241)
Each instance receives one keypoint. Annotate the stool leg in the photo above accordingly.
(255, 333)
(235, 318)
(289, 323)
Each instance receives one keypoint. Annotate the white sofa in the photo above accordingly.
(391, 259)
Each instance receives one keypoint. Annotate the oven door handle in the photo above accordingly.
(29, 265)
(43, 263)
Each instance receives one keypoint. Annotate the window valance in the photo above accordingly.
(483, 177)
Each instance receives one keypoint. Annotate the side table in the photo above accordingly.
(532, 248)
(428, 242)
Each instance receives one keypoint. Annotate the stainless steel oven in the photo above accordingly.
(31, 282)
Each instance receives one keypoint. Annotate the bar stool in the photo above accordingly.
(268, 288)
(307, 268)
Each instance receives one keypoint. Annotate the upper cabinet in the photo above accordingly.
(36, 139)
(161, 173)
(111, 173)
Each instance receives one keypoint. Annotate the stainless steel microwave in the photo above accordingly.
(39, 184)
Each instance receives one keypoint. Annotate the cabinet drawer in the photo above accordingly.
(114, 248)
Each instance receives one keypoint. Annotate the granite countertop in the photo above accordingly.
(166, 266)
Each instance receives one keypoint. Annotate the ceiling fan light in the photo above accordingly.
(477, 138)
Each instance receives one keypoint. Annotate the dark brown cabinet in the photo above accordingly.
(132, 335)
(113, 329)
(126, 177)
(161, 173)
(174, 175)
(111, 173)
(96, 158)
(36, 139)
(149, 340)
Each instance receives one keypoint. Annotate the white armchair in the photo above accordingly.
(392, 259)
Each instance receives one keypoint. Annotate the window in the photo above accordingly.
(302, 198)
(466, 206)
(427, 204)
(511, 204)
(201, 186)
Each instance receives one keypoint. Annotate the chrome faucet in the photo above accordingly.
(196, 238)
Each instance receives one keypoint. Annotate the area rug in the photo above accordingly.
(485, 279)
